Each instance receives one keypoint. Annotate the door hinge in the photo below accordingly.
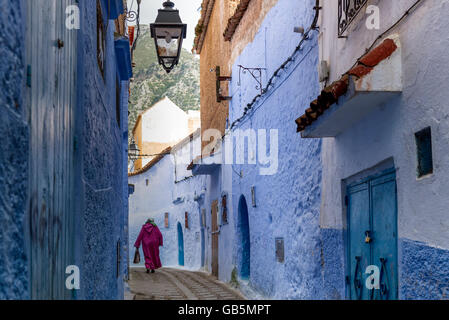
(346, 200)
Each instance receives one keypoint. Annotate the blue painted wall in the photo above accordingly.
(100, 166)
(423, 271)
(103, 198)
(288, 202)
(14, 131)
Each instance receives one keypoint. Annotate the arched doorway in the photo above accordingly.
(180, 245)
(244, 240)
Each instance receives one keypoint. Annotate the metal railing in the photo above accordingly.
(347, 11)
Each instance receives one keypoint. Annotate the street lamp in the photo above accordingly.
(133, 151)
(168, 31)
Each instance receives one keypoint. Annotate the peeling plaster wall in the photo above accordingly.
(288, 202)
(14, 131)
(388, 132)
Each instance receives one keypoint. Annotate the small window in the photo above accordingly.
(424, 152)
(147, 182)
(166, 220)
(187, 220)
(224, 213)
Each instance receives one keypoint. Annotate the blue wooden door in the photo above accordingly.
(384, 244)
(180, 245)
(372, 236)
(51, 95)
(359, 251)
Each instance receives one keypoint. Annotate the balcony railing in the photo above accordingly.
(347, 11)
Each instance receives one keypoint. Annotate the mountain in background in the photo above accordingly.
(151, 83)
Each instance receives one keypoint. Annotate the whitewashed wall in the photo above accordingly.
(389, 132)
(164, 195)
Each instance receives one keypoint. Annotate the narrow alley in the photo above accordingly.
(176, 284)
(224, 150)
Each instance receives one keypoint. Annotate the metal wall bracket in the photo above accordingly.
(220, 79)
(256, 73)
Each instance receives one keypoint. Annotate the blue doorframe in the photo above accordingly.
(180, 245)
(244, 239)
(372, 235)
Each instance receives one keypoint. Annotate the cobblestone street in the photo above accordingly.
(174, 284)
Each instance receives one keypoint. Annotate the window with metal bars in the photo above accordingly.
(347, 12)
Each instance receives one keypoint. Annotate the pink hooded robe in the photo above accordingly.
(151, 238)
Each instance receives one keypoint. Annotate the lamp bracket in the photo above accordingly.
(132, 15)
(256, 73)
(221, 79)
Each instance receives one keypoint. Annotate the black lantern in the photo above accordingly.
(133, 151)
(168, 32)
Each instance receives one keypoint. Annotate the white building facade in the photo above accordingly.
(385, 129)
(162, 125)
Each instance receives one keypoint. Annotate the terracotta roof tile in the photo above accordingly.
(152, 163)
(203, 23)
(234, 21)
(331, 93)
(382, 52)
(360, 71)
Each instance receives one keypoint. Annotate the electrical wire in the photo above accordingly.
(284, 65)
(409, 10)
(299, 47)
(305, 37)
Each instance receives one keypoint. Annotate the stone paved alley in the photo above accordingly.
(175, 284)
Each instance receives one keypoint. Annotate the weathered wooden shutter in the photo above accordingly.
(166, 220)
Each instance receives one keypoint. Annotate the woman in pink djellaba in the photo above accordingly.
(151, 238)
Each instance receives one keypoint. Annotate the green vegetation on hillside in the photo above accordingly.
(151, 83)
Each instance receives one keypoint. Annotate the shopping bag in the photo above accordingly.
(137, 257)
